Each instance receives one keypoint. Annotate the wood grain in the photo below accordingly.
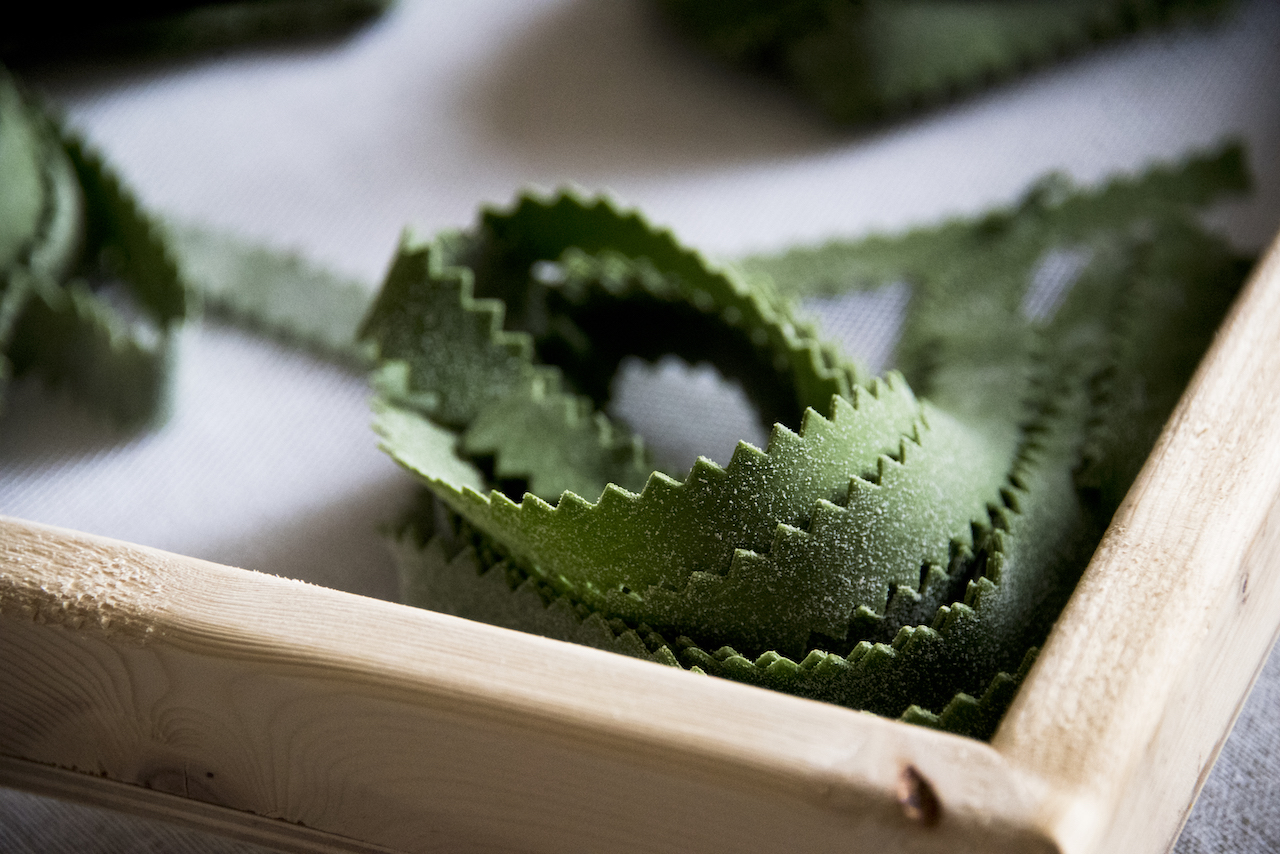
(1149, 664)
(418, 731)
(287, 713)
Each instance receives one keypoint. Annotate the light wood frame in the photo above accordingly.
(315, 720)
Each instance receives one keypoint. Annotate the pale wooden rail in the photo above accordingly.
(316, 720)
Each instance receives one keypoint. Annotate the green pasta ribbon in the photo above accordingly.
(858, 60)
(900, 554)
(89, 294)
(278, 294)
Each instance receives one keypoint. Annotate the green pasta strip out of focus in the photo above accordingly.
(859, 60)
(52, 32)
(89, 293)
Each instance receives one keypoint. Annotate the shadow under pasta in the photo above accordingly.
(607, 86)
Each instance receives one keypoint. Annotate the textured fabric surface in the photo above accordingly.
(32, 824)
(1238, 809)
(267, 461)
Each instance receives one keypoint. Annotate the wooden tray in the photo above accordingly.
(311, 719)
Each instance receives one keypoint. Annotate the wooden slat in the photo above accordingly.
(1146, 670)
(418, 731)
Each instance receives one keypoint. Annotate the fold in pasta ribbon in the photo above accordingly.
(891, 553)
